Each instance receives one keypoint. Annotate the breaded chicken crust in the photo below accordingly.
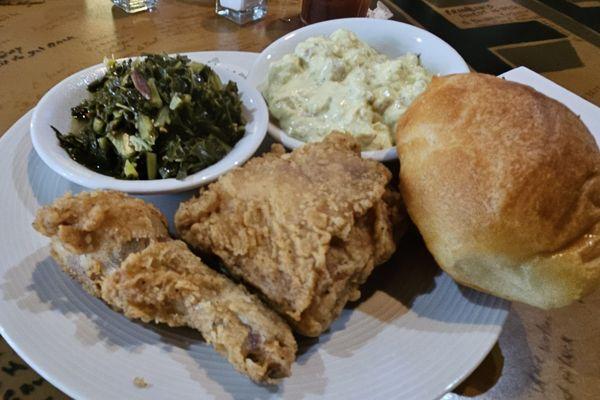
(92, 232)
(119, 249)
(305, 228)
(166, 283)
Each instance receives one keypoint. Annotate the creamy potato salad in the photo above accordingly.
(342, 84)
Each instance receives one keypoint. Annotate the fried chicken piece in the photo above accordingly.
(167, 283)
(305, 228)
(119, 248)
(93, 232)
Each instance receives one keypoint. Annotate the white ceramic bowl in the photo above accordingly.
(388, 37)
(55, 109)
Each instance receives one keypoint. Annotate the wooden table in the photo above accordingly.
(540, 354)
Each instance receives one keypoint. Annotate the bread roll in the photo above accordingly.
(504, 185)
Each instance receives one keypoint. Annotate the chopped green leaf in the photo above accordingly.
(122, 144)
(97, 125)
(151, 166)
(129, 170)
(176, 101)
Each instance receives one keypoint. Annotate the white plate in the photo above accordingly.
(415, 335)
(388, 37)
(55, 109)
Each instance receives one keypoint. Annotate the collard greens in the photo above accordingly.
(155, 117)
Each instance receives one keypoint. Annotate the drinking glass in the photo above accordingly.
(133, 6)
(241, 11)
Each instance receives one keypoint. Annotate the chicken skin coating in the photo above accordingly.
(305, 228)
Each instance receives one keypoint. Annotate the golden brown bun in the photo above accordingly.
(504, 185)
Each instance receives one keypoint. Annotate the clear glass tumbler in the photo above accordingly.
(241, 11)
(133, 6)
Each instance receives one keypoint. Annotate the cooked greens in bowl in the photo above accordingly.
(155, 117)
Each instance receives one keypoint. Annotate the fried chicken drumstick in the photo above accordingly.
(305, 228)
(119, 249)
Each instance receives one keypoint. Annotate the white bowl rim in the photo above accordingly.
(81, 175)
(281, 136)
